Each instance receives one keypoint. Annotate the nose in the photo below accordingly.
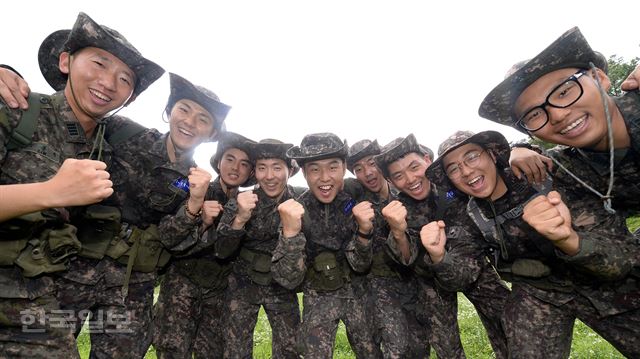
(270, 173)
(109, 81)
(556, 115)
(324, 176)
(465, 170)
(368, 171)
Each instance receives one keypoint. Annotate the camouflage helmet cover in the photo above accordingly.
(360, 150)
(318, 146)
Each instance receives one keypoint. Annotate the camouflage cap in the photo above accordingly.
(427, 151)
(360, 150)
(490, 140)
(226, 141)
(318, 146)
(87, 33)
(569, 50)
(395, 150)
(270, 148)
(183, 89)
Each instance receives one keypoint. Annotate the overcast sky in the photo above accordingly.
(360, 69)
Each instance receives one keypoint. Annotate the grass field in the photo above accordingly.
(586, 343)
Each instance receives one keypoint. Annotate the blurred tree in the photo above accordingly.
(619, 69)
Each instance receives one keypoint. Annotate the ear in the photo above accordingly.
(493, 156)
(214, 135)
(63, 62)
(605, 82)
(427, 160)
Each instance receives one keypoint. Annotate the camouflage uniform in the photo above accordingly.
(439, 303)
(189, 316)
(550, 289)
(31, 292)
(323, 258)
(250, 283)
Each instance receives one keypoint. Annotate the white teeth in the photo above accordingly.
(474, 180)
(415, 186)
(325, 188)
(100, 95)
(186, 132)
(572, 126)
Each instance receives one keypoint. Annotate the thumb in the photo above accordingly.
(516, 171)
(554, 197)
(629, 84)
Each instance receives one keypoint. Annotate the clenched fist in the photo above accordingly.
(291, 213)
(210, 211)
(246, 203)
(396, 215)
(434, 239)
(79, 182)
(550, 217)
(364, 215)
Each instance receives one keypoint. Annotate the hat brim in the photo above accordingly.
(49, 58)
(181, 88)
(490, 140)
(569, 50)
(295, 153)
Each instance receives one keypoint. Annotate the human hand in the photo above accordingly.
(14, 90)
(291, 213)
(434, 239)
(530, 163)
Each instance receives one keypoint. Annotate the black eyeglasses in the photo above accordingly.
(471, 160)
(562, 96)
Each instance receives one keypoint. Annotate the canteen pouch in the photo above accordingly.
(326, 273)
(98, 229)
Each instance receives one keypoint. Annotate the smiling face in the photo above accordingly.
(234, 167)
(473, 171)
(368, 174)
(325, 178)
(190, 125)
(100, 82)
(582, 124)
(408, 175)
(272, 175)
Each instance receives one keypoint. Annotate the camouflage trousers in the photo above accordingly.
(417, 323)
(118, 327)
(489, 295)
(438, 311)
(35, 329)
(244, 299)
(320, 317)
(385, 298)
(188, 319)
(537, 329)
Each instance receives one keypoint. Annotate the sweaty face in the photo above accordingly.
(473, 171)
(582, 124)
(234, 167)
(101, 81)
(408, 175)
(190, 125)
(368, 174)
(272, 175)
(325, 178)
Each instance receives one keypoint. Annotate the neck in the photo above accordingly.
(384, 192)
(229, 191)
(86, 121)
(500, 190)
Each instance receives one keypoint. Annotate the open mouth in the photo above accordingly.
(574, 127)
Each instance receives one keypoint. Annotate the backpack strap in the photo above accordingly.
(22, 135)
(124, 133)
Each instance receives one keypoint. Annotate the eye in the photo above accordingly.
(99, 63)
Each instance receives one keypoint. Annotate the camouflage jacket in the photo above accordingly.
(260, 233)
(325, 228)
(144, 184)
(593, 167)
(383, 262)
(600, 271)
(58, 136)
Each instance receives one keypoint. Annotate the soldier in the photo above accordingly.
(564, 263)
(391, 288)
(249, 226)
(320, 246)
(95, 71)
(189, 317)
(404, 163)
(560, 97)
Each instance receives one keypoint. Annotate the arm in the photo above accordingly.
(399, 241)
(77, 183)
(288, 263)
(229, 236)
(526, 161)
(14, 90)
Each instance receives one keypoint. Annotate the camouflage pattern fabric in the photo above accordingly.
(181, 89)
(57, 136)
(318, 146)
(87, 33)
(594, 284)
(244, 296)
(188, 319)
(360, 150)
(327, 228)
(119, 327)
(396, 149)
(35, 329)
(571, 49)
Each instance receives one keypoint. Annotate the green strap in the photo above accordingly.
(132, 259)
(22, 134)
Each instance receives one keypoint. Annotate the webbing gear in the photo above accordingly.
(326, 273)
(99, 227)
(22, 134)
(127, 131)
(491, 228)
(15, 234)
(260, 266)
(49, 252)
